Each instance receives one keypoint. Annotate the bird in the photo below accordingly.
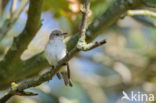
(55, 50)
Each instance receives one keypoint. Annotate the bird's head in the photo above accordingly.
(56, 33)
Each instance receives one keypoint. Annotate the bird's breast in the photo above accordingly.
(55, 51)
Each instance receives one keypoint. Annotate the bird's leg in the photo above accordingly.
(57, 74)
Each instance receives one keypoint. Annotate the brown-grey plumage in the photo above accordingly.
(56, 33)
(55, 51)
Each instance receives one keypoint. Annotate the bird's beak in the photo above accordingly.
(64, 34)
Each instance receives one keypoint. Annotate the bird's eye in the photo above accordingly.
(57, 34)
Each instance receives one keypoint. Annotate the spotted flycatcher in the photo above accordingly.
(56, 50)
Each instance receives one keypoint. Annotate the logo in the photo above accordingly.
(137, 97)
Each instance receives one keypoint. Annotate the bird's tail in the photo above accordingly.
(66, 76)
(66, 79)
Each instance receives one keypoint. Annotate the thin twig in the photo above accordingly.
(145, 21)
(82, 45)
(85, 11)
(14, 91)
(12, 8)
(3, 4)
(141, 13)
(93, 45)
(8, 23)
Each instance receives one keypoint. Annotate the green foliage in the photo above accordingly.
(98, 74)
(99, 6)
(151, 2)
(69, 19)
(58, 7)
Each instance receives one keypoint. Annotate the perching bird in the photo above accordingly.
(56, 50)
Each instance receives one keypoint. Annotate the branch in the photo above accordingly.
(50, 74)
(145, 21)
(21, 42)
(90, 46)
(85, 12)
(13, 7)
(103, 22)
(82, 45)
(8, 23)
(13, 91)
(3, 4)
(141, 13)
(39, 80)
(5, 98)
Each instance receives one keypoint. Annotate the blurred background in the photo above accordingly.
(126, 63)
